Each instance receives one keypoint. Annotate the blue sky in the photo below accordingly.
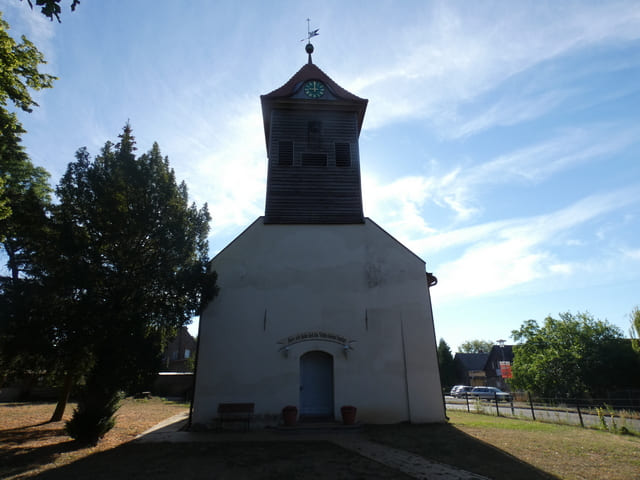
(501, 141)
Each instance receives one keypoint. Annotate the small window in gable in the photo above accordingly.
(285, 153)
(314, 159)
(343, 155)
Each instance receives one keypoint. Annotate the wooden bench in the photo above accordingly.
(233, 412)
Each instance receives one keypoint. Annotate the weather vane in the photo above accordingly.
(310, 33)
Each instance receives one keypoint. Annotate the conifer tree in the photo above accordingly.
(446, 364)
(131, 269)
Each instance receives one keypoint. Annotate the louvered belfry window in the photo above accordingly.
(343, 155)
(314, 159)
(285, 153)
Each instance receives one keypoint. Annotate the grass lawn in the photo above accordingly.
(31, 448)
(28, 444)
(492, 446)
(500, 447)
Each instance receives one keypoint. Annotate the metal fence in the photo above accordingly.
(615, 412)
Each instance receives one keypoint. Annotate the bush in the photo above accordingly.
(94, 416)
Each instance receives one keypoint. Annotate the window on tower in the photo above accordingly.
(314, 159)
(285, 153)
(314, 135)
(343, 155)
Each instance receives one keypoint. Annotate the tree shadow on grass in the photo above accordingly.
(280, 460)
(25, 448)
(23, 459)
(443, 443)
(300, 460)
(27, 433)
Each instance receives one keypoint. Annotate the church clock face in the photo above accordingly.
(314, 89)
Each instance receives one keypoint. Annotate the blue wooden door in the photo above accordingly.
(316, 384)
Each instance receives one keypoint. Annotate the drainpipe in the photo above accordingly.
(195, 373)
(404, 362)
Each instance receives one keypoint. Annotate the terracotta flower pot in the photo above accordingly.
(348, 414)
(290, 415)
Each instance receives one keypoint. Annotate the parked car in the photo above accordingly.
(490, 393)
(460, 390)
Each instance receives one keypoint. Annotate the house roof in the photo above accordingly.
(502, 353)
(472, 361)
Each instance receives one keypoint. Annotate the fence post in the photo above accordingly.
(495, 398)
(579, 413)
(513, 412)
(533, 412)
(466, 395)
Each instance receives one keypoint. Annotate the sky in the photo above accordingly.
(501, 140)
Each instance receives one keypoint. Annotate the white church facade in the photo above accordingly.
(318, 306)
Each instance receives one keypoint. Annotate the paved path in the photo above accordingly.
(409, 463)
(406, 462)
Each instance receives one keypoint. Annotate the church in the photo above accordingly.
(318, 306)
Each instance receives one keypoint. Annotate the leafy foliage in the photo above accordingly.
(101, 280)
(132, 266)
(476, 346)
(572, 356)
(28, 196)
(19, 74)
(95, 415)
(51, 8)
(25, 200)
(635, 328)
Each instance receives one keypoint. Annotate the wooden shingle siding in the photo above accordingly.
(312, 159)
(343, 154)
(317, 187)
(285, 153)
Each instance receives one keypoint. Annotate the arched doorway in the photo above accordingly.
(316, 385)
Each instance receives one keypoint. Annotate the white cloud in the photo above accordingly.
(535, 163)
(230, 172)
(507, 111)
(453, 55)
(505, 254)
(398, 204)
(633, 254)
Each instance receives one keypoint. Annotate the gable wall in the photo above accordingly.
(354, 281)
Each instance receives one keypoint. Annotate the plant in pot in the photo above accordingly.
(289, 415)
(348, 414)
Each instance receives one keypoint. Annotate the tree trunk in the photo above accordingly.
(63, 398)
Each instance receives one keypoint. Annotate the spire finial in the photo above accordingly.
(309, 47)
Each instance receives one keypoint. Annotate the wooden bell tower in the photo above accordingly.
(311, 127)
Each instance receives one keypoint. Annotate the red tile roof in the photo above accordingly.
(308, 72)
(343, 98)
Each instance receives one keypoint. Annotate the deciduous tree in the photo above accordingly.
(635, 328)
(572, 356)
(19, 74)
(51, 8)
(476, 346)
(25, 199)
